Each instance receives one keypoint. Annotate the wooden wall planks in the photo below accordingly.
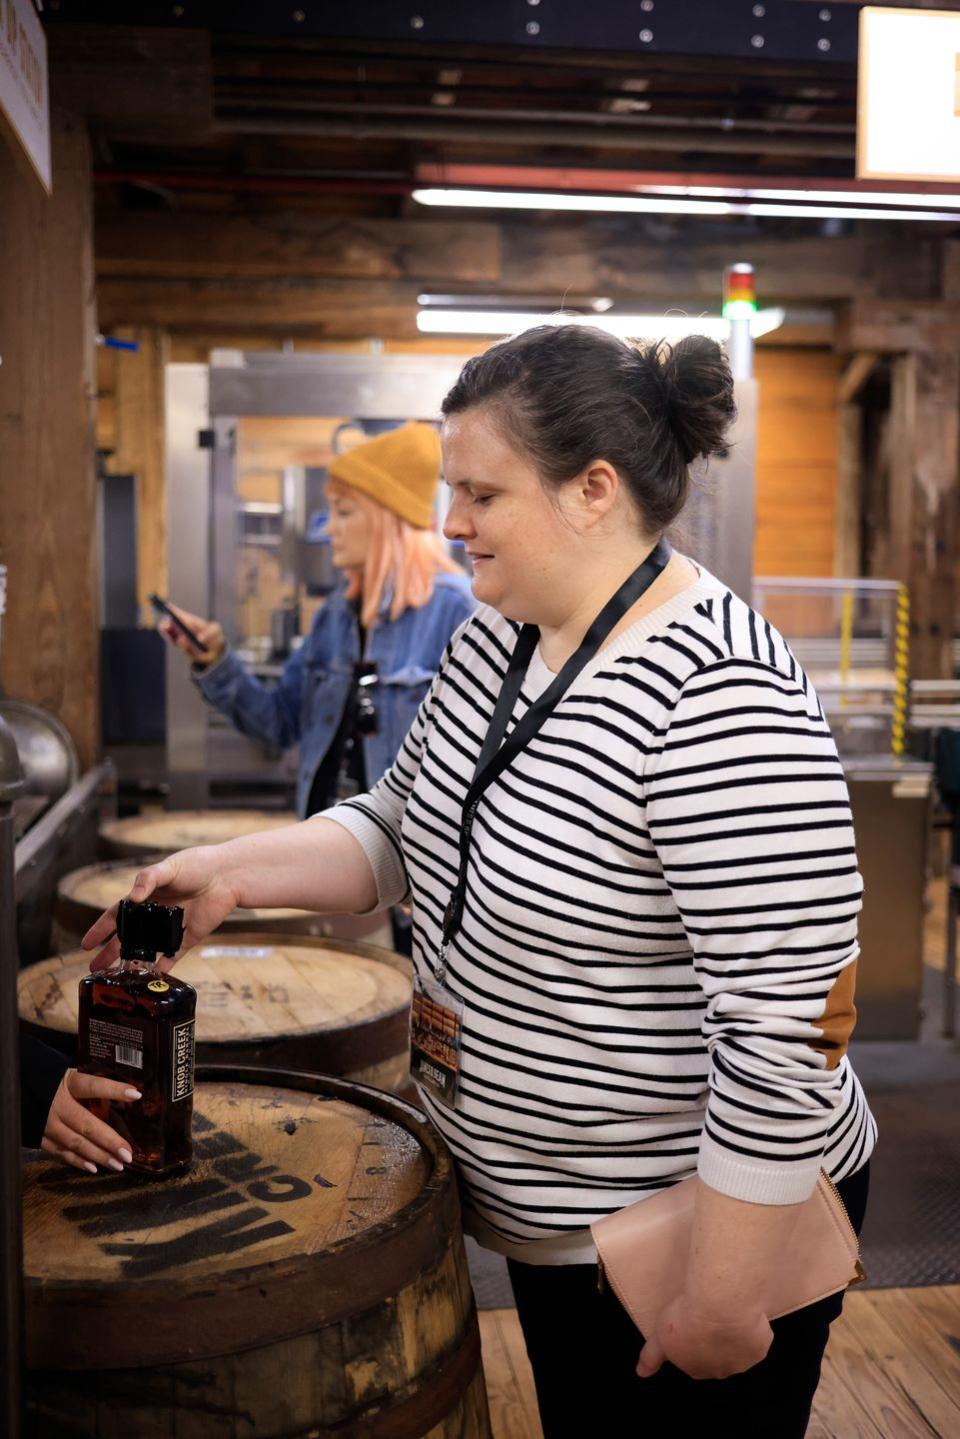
(47, 487)
(797, 462)
(139, 449)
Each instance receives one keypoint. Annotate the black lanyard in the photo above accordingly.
(497, 753)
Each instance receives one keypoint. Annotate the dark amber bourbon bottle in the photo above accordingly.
(136, 1024)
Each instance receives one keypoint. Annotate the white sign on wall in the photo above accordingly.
(24, 94)
(908, 100)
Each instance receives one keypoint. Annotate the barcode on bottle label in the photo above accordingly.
(182, 1085)
(115, 1043)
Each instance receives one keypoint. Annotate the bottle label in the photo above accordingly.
(183, 1046)
(117, 1043)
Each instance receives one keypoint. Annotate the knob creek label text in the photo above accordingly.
(183, 1050)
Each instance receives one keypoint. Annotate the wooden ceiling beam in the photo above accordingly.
(335, 309)
(899, 326)
(134, 81)
(190, 246)
(532, 257)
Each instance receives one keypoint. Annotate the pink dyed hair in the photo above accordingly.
(397, 553)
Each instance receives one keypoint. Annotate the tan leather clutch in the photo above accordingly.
(643, 1252)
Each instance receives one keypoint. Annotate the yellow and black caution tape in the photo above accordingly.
(846, 638)
(901, 672)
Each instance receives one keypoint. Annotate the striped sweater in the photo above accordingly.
(659, 940)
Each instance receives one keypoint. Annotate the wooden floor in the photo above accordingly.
(892, 1370)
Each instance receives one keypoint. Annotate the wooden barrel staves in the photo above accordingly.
(306, 1278)
(320, 1005)
(166, 831)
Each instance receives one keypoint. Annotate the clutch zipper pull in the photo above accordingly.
(601, 1277)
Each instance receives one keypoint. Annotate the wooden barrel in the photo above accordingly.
(166, 831)
(306, 1278)
(324, 1006)
(83, 895)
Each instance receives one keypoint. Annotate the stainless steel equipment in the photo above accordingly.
(892, 803)
(48, 757)
(717, 523)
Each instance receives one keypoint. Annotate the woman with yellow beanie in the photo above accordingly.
(351, 691)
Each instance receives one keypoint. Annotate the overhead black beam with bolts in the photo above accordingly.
(795, 30)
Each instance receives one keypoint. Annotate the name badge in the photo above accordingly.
(436, 1024)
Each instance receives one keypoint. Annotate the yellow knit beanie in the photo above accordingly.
(399, 470)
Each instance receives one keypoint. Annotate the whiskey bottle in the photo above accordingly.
(137, 1025)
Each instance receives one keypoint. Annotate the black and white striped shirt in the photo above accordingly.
(659, 937)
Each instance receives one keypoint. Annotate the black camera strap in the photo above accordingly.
(497, 752)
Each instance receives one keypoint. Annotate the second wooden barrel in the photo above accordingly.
(166, 831)
(324, 1006)
(307, 1277)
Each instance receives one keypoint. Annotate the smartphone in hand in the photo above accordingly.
(162, 608)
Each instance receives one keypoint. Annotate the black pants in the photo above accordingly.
(584, 1347)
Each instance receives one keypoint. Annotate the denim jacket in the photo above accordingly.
(309, 699)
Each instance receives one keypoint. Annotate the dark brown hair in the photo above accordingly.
(567, 395)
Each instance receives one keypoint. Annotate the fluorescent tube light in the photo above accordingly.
(844, 212)
(808, 196)
(678, 205)
(552, 200)
(628, 327)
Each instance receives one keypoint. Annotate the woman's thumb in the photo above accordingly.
(651, 1358)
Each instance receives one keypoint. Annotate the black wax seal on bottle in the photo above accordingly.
(149, 929)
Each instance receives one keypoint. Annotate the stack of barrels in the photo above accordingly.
(307, 1275)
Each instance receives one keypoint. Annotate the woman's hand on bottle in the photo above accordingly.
(74, 1135)
(703, 1345)
(208, 632)
(195, 879)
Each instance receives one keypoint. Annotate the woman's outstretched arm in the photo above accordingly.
(315, 865)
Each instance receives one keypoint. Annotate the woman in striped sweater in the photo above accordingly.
(643, 915)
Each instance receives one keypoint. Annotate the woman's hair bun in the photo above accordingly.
(698, 392)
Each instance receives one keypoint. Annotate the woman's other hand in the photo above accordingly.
(195, 879)
(208, 632)
(703, 1346)
(76, 1136)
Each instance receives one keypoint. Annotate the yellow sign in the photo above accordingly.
(24, 93)
(159, 986)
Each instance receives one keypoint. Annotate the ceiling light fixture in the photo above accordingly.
(811, 195)
(627, 327)
(679, 204)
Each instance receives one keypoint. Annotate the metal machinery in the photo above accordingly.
(245, 507)
(717, 524)
(850, 638)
